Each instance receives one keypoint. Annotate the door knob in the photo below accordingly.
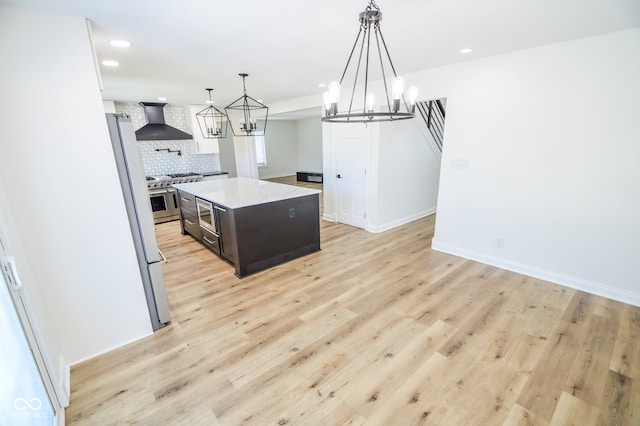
(338, 176)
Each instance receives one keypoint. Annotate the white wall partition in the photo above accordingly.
(282, 149)
(540, 169)
(402, 172)
(309, 137)
(61, 183)
(407, 174)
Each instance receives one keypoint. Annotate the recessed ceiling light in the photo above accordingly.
(110, 63)
(467, 50)
(260, 100)
(162, 99)
(321, 85)
(120, 43)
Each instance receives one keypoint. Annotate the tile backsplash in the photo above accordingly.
(158, 163)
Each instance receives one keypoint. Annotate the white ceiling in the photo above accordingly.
(290, 46)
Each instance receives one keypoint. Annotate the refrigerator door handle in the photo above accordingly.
(11, 272)
(164, 259)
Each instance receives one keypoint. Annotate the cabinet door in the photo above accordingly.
(227, 234)
(191, 226)
(189, 215)
(203, 146)
(211, 241)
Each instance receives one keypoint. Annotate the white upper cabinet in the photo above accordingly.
(203, 146)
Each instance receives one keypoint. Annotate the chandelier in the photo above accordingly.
(363, 111)
(212, 121)
(248, 117)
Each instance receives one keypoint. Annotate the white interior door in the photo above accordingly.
(352, 153)
(24, 399)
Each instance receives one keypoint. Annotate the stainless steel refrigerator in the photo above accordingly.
(136, 198)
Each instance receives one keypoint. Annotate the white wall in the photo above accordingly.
(245, 156)
(281, 148)
(59, 174)
(407, 174)
(309, 139)
(227, 155)
(541, 162)
(291, 145)
(35, 306)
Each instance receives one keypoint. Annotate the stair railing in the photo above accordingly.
(433, 113)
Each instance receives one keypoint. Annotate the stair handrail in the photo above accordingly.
(433, 113)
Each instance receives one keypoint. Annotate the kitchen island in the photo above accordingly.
(251, 223)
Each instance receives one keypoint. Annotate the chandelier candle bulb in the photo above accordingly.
(333, 97)
(397, 88)
(371, 101)
(327, 102)
(412, 93)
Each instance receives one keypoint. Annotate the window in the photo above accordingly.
(261, 152)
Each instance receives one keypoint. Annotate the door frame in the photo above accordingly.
(330, 134)
(58, 396)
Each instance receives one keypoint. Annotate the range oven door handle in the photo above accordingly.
(157, 191)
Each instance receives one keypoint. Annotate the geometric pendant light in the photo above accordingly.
(247, 116)
(212, 121)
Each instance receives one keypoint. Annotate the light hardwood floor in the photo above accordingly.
(374, 329)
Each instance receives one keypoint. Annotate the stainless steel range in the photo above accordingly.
(164, 200)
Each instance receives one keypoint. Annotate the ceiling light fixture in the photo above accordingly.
(370, 22)
(467, 50)
(110, 63)
(212, 122)
(247, 116)
(120, 43)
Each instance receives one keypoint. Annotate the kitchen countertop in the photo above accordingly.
(240, 192)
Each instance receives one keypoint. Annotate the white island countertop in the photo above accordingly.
(240, 192)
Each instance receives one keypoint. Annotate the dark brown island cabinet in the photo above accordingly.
(252, 224)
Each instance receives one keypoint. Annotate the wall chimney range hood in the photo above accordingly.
(157, 129)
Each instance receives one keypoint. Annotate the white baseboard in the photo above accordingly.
(329, 217)
(104, 351)
(60, 418)
(64, 370)
(277, 175)
(64, 387)
(581, 284)
(401, 221)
